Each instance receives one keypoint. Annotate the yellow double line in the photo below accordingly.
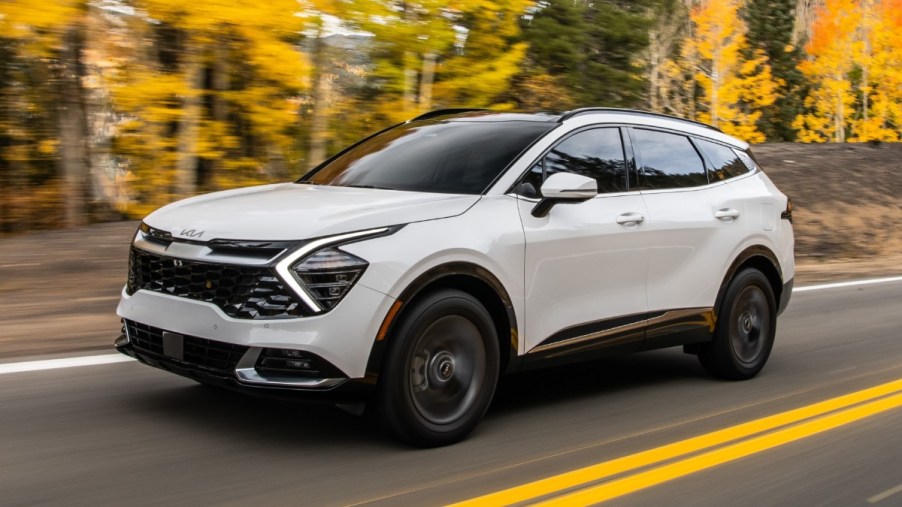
(585, 487)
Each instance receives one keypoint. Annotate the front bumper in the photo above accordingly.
(343, 337)
(245, 379)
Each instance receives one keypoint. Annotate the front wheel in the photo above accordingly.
(745, 329)
(441, 370)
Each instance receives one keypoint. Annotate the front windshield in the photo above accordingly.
(453, 157)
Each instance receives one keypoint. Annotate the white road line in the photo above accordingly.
(886, 494)
(52, 364)
(851, 283)
(69, 362)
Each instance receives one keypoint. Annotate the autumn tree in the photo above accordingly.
(44, 116)
(880, 70)
(735, 89)
(770, 31)
(555, 32)
(486, 56)
(831, 57)
(670, 88)
(409, 39)
(593, 49)
(211, 96)
(429, 54)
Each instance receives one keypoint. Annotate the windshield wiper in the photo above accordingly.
(368, 186)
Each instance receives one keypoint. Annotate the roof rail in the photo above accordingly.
(443, 112)
(586, 110)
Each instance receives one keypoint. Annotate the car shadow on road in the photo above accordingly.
(314, 427)
(591, 379)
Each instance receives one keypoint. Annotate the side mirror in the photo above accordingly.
(564, 188)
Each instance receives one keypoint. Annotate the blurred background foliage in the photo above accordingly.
(111, 108)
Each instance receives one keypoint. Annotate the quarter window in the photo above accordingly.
(725, 162)
(668, 161)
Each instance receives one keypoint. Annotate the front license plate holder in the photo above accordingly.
(174, 345)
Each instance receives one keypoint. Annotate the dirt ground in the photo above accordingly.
(59, 289)
(847, 197)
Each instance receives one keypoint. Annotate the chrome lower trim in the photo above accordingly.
(591, 336)
(633, 326)
(245, 373)
(250, 376)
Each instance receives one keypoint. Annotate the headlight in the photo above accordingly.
(329, 274)
(320, 274)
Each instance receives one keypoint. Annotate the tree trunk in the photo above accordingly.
(866, 38)
(101, 123)
(8, 168)
(275, 166)
(839, 120)
(661, 42)
(426, 81)
(654, 71)
(72, 124)
(219, 111)
(186, 166)
(410, 81)
(322, 87)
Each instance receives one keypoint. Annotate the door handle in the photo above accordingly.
(630, 218)
(726, 214)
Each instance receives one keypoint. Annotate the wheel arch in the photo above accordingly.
(468, 277)
(761, 258)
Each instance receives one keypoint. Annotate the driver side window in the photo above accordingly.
(596, 153)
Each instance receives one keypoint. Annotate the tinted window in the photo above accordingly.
(748, 159)
(668, 161)
(596, 153)
(725, 162)
(455, 157)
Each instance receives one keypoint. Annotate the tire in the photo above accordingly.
(746, 325)
(440, 371)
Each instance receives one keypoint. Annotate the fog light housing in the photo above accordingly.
(294, 363)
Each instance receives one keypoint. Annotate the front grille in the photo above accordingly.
(199, 352)
(244, 292)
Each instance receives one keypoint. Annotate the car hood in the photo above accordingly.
(291, 211)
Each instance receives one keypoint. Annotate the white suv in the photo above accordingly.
(412, 269)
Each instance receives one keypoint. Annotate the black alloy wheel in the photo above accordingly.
(441, 369)
(746, 325)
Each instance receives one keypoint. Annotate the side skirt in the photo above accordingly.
(620, 335)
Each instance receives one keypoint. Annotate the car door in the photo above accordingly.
(693, 227)
(585, 263)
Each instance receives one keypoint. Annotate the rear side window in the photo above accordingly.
(748, 159)
(668, 161)
(596, 153)
(725, 162)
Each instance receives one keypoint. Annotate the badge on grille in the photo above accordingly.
(209, 284)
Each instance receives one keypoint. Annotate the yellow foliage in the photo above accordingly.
(39, 24)
(831, 56)
(735, 89)
(881, 57)
(224, 93)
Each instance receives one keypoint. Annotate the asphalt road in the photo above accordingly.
(126, 434)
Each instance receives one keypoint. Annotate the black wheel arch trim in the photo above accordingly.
(430, 278)
(749, 254)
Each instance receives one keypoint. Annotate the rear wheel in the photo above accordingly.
(745, 329)
(441, 370)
